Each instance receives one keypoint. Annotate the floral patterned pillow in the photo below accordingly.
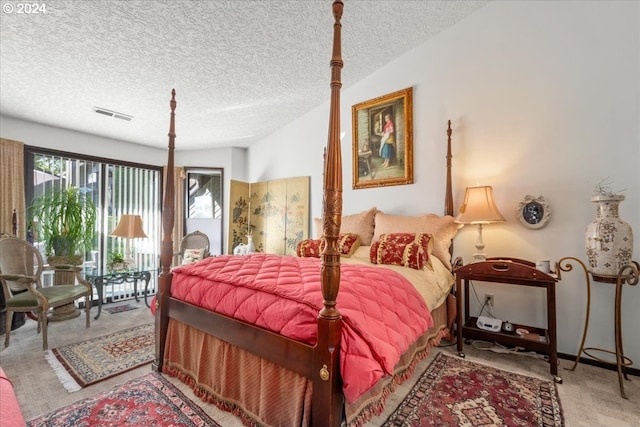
(192, 255)
(347, 244)
(310, 248)
(415, 256)
(404, 249)
(441, 228)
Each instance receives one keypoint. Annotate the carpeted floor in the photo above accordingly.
(589, 396)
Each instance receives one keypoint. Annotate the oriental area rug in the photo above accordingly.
(89, 362)
(456, 392)
(146, 401)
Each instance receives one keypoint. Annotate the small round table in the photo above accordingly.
(628, 274)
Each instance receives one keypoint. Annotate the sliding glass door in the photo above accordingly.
(116, 188)
(133, 191)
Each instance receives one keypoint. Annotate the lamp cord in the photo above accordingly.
(482, 309)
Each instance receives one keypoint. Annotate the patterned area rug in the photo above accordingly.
(456, 392)
(95, 360)
(150, 400)
(120, 308)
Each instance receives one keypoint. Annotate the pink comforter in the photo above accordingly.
(382, 312)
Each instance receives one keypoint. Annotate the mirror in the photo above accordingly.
(204, 205)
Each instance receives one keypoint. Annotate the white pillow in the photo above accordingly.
(192, 255)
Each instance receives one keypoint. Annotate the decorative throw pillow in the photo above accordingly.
(415, 256)
(373, 252)
(360, 224)
(347, 244)
(310, 248)
(192, 255)
(441, 228)
(405, 249)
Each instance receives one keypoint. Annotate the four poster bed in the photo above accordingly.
(269, 338)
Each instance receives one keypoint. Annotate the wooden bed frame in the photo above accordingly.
(320, 363)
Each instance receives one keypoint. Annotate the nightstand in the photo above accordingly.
(511, 272)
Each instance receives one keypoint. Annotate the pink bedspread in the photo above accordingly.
(382, 312)
(10, 413)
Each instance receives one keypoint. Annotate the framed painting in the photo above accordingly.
(383, 140)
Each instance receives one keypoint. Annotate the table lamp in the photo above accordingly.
(479, 208)
(129, 227)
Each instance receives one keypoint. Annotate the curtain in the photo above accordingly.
(12, 186)
(178, 224)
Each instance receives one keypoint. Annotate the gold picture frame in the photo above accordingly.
(383, 140)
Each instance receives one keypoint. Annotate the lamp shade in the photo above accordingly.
(130, 227)
(479, 207)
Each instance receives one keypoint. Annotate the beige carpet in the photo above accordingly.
(589, 396)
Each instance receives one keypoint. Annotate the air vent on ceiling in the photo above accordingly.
(113, 114)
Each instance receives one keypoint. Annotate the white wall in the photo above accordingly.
(232, 160)
(545, 100)
(54, 138)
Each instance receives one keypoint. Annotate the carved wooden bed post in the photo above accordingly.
(320, 363)
(327, 387)
(166, 253)
(448, 198)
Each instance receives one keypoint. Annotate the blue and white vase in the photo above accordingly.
(608, 239)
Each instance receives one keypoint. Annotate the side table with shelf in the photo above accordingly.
(628, 274)
(509, 271)
(101, 278)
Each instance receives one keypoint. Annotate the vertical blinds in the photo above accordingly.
(116, 190)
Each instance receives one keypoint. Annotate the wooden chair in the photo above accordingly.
(194, 240)
(21, 266)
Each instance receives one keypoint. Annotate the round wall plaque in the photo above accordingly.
(533, 212)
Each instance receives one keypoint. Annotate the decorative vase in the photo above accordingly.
(608, 239)
(55, 260)
(117, 266)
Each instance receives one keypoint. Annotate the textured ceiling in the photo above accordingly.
(241, 69)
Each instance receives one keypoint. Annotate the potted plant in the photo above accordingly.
(117, 262)
(65, 220)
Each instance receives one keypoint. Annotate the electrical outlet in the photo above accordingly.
(488, 300)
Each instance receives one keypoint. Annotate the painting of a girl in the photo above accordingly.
(387, 147)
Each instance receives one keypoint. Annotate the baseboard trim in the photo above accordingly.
(599, 364)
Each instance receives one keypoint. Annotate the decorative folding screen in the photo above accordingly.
(276, 212)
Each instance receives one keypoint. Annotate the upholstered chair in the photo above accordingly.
(21, 267)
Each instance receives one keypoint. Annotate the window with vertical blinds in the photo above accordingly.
(116, 188)
(135, 191)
